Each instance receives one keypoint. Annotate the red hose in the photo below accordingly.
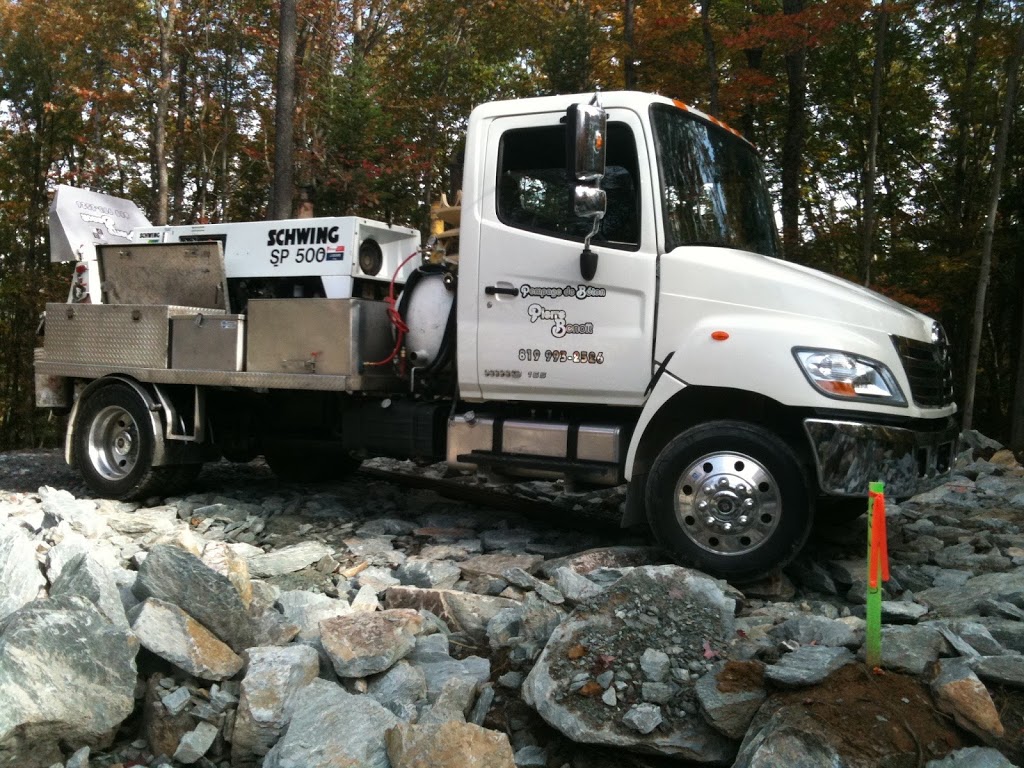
(396, 319)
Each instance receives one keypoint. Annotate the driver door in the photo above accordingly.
(544, 333)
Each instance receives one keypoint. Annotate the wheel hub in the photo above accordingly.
(727, 503)
(123, 443)
(113, 443)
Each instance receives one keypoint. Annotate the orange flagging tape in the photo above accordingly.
(878, 559)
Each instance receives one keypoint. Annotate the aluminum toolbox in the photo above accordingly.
(323, 336)
(119, 336)
(178, 274)
(208, 342)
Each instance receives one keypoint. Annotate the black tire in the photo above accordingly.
(294, 465)
(114, 444)
(730, 499)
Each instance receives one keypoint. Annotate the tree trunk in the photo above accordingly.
(1012, 67)
(709, 55)
(281, 199)
(867, 244)
(794, 138)
(628, 24)
(748, 120)
(965, 118)
(165, 26)
(178, 188)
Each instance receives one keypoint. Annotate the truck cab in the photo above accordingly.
(606, 303)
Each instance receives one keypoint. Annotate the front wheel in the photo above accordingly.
(729, 498)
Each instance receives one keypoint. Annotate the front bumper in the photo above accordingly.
(848, 455)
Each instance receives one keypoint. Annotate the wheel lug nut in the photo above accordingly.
(723, 482)
(726, 526)
(702, 505)
(709, 488)
(710, 520)
(748, 503)
(741, 489)
(743, 520)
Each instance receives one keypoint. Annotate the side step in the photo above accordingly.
(591, 452)
(592, 471)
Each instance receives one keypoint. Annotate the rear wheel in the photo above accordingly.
(729, 498)
(114, 444)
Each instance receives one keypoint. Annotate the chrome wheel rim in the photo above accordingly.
(113, 443)
(727, 503)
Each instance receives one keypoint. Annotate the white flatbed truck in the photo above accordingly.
(606, 305)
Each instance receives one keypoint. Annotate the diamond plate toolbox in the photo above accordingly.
(122, 336)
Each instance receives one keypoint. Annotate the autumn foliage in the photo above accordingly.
(385, 87)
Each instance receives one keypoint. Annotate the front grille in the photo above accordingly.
(929, 367)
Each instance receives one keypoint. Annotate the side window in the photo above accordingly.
(534, 192)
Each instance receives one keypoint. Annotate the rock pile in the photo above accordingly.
(256, 624)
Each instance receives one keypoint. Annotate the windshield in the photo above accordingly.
(712, 187)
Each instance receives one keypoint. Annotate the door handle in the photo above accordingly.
(492, 290)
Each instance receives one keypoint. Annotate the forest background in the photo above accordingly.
(879, 123)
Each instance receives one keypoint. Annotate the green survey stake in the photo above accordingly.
(878, 571)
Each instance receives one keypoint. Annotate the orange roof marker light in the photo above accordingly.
(719, 335)
(713, 120)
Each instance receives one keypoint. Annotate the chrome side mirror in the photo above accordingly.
(587, 124)
(590, 203)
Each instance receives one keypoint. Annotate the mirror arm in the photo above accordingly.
(588, 258)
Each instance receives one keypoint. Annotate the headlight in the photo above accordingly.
(849, 377)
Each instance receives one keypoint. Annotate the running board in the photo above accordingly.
(591, 471)
(594, 452)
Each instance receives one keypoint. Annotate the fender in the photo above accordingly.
(750, 352)
(666, 386)
(160, 457)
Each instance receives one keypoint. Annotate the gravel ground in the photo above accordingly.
(541, 504)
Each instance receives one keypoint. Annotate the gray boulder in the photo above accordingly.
(650, 607)
(965, 600)
(89, 578)
(179, 577)
(781, 743)
(48, 649)
(807, 666)
(79, 515)
(460, 611)
(196, 743)
(730, 695)
(419, 572)
(271, 677)
(524, 629)
(400, 689)
(972, 757)
(818, 630)
(959, 692)
(574, 586)
(287, 559)
(450, 745)
(430, 657)
(330, 728)
(1003, 670)
(910, 648)
(307, 609)
(173, 635)
(452, 703)
(20, 577)
(364, 644)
